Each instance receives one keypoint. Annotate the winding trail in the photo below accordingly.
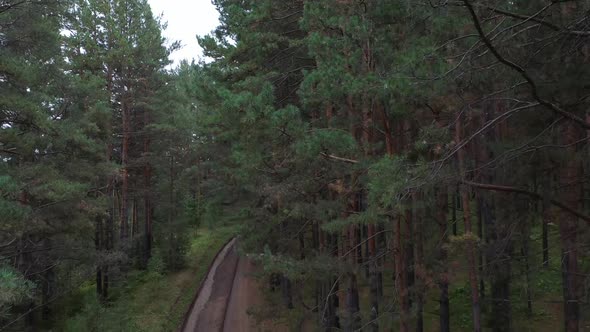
(225, 296)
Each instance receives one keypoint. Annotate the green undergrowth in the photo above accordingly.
(545, 284)
(149, 300)
(545, 287)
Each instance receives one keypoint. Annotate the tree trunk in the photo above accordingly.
(455, 198)
(441, 208)
(287, 292)
(147, 214)
(498, 212)
(124, 223)
(443, 278)
(373, 278)
(171, 212)
(110, 236)
(352, 304)
(98, 246)
(545, 233)
(134, 219)
(329, 316)
(419, 267)
(48, 293)
(301, 245)
(527, 270)
(147, 182)
(568, 228)
(400, 274)
(408, 230)
(548, 217)
(381, 246)
(471, 255)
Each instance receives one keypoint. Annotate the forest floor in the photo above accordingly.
(146, 302)
(227, 296)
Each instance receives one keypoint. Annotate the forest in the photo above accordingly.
(395, 165)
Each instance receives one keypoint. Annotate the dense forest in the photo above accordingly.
(392, 165)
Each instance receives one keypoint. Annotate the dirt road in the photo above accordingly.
(226, 295)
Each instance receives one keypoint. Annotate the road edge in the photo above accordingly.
(230, 293)
(201, 284)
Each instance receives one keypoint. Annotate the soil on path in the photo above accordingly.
(245, 295)
(225, 297)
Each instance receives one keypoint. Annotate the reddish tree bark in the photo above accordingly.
(124, 223)
(419, 267)
(471, 255)
(441, 210)
(400, 274)
(147, 179)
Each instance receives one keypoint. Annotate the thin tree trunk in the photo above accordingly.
(545, 234)
(147, 182)
(171, 214)
(373, 278)
(124, 222)
(548, 216)
(442, 204)
(568, 229)
(330, 289)
(287, 292)
(455, 197)
(134, 225)
(108, 231)
(147, 214)
(409, 252)
(98, 246)
(400, 274)
(381, 246)
(352, 304)
(48, 292)
(480, 234)
(110, 234)
(527, 271)
(351, 296)
(497, 219)
(398, 248)
(419, 267)
(471, 256)
(441, 208)
(301, 245)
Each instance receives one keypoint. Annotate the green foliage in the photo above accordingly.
(173, 248)
(193, 211)
(391, 178)
(14, 289)
(336, 142)
(156, 265)
(370, 216)
(211, 214)
(459, 300)
(314, 116)
(156, 299)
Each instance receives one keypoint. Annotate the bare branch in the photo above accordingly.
(333, 157)
(527, 193)
(534, 90)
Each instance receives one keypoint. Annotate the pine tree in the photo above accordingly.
(50, 135)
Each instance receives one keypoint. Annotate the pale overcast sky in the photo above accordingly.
(186, 19)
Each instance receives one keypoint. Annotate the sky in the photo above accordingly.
(186, 19)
